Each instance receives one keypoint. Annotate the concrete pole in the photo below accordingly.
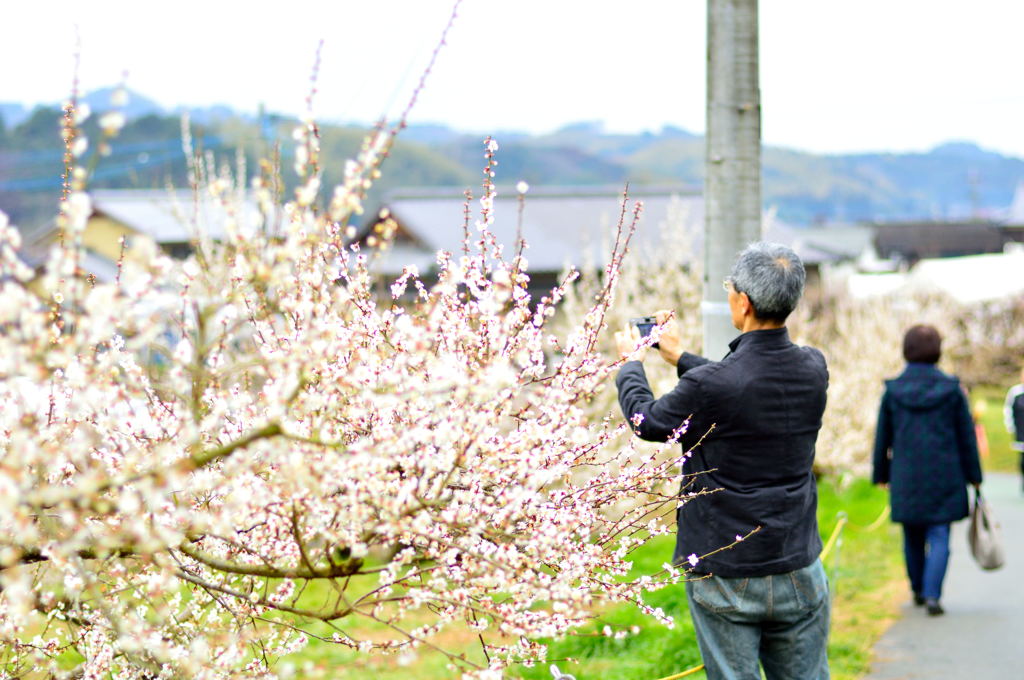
(732, 184)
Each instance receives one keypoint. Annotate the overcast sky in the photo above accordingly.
(836, 76)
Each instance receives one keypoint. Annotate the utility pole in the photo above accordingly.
(732, 162)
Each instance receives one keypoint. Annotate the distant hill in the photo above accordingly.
(12, 113)
(952, 181)
(136, 105)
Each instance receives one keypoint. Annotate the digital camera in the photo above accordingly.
(645, 324)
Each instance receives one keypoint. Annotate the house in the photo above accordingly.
(971, 261)
(825, 250)
(910, 241)
(916, 240)
(561, 225)
(573, 225)
(170, 220)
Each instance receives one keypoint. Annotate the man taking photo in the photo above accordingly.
(765, 599)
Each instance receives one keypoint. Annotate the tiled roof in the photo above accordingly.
(575, 225)
(561, 225)
(167, 216)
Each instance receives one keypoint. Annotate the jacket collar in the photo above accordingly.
(915, 369)
(771, 337)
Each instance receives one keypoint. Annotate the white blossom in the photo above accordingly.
(111, 122)
(186, 447)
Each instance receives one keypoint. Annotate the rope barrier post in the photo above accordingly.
(834, 541)
(836, 562)
(559, 675)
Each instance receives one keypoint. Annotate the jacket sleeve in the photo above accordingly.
(883, 442)
(968, 441)
(1018, 414)
(688, 361)
(653, 419)
(1016, 392)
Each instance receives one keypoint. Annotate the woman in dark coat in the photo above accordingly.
(926, 452)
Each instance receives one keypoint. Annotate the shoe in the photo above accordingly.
(933, 607)
(918, 599)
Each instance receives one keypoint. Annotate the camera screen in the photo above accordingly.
(645, 328)
(644, 324)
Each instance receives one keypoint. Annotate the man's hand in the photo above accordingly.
(627, 342)
(670, 342)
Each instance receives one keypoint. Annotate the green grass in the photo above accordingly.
(654, 652)
(1001, 457)
(866, 574)
(865, 568)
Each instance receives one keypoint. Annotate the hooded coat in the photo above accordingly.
(925, 446)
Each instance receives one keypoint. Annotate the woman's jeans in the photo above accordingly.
(926, 549)
(780, 620)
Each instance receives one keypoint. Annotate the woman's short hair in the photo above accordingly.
(922, 345)
(772, 276)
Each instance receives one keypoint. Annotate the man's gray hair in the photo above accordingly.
(772, 276)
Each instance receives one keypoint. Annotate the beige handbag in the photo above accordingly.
(984, 535)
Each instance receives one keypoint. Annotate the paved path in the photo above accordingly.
(981, 636)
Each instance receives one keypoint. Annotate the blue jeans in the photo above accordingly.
(926, 550)
(780, 620)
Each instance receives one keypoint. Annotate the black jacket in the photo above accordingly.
(765, 400)
(925, 446)
(1013, 412)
